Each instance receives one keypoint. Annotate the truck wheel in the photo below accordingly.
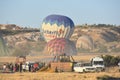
(103, 70)
(97, 70)
(84, 71)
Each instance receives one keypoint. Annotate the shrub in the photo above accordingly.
(111, 60)
(106, 77)
(102, 49)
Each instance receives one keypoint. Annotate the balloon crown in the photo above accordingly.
(59, 20)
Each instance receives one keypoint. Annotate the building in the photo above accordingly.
(9, 27)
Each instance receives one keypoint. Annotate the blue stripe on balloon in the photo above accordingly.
(59, 20)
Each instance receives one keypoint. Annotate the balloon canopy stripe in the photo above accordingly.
(60, 46)
(59, 20)
(57, 26)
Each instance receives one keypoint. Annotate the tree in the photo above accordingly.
(111, 60)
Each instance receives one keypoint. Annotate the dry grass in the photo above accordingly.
(80, 57)
(56, 76)
(113, 71)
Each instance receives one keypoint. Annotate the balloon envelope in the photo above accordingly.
(57, 26)
(60, 46)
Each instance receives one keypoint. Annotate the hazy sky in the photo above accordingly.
(32, 12)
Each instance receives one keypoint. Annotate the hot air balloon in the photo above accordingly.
(85, 42)
(57, 26)
(60, 47)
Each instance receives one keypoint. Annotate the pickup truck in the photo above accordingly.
(83, 67)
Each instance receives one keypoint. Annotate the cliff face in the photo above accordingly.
(98, 34)
(103, 39)
(21, 38)
(27, 43)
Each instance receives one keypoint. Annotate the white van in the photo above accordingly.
(83, 67)
(98, 63)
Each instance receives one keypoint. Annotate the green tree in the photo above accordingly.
(111, 60)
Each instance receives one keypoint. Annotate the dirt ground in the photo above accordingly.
(112, 71)
(56, 76)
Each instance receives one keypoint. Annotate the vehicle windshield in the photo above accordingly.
(98, 62)
(82, 64)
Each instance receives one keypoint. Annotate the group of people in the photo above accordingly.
(20, 67)
(8, 67)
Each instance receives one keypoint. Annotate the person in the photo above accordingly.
(23, 67)
(11, 67)
(20, 67)
(30, 67)
(35, 66)
(16, 67)
(4, 68)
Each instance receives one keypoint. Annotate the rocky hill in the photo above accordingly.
(87, 39)
(24, 43)
(101, 39)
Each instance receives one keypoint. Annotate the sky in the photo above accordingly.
(30, 13)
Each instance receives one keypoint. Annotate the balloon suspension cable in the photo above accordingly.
(72, 59)
(54, 59)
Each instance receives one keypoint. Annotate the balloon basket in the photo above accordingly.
(62, 66)
(63, 59)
